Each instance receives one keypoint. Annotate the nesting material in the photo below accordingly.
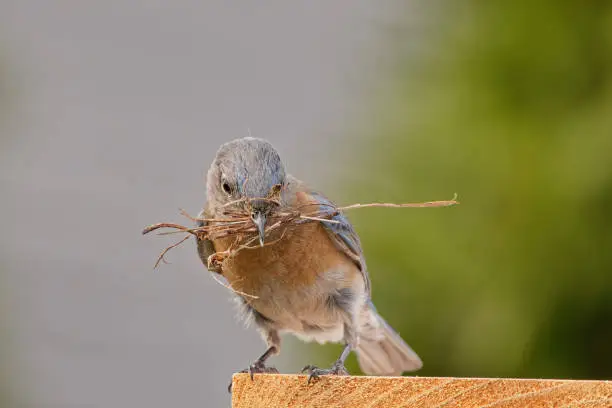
(238, 224)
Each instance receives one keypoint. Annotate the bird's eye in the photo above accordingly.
(226, 187)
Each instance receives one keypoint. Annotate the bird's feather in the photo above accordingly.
(342, 234)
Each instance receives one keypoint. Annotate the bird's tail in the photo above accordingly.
(381, 350)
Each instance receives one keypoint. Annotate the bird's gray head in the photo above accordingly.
(245, 170)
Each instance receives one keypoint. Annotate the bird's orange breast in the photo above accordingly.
(302, 253)
(296, 259)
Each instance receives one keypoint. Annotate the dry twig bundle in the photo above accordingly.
(238, 224)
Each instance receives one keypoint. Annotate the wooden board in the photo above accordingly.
(271, 391)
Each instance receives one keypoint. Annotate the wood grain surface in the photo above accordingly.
(272, 390)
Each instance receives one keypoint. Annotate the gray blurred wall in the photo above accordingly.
(117, 108)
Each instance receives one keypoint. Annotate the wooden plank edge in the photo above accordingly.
(279, 390)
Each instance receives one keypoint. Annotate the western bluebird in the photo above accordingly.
(313, 282)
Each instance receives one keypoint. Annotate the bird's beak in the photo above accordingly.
(260, 222)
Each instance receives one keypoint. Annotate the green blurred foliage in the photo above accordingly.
(508, 104)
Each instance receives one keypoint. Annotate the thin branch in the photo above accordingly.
(228, 286)
(161, 256)
(446, 203)
(237, 222)
(305, 217)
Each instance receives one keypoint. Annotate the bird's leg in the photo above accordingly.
(351, 339)
(345, 300)
(336, 369)
(273, 341)
(259, 365)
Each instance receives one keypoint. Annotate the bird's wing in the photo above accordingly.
(205, 246)
(342, 233)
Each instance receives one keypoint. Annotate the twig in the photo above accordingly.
(446, 203)
(305, 217)
(159, 225)
(161, 256)
(228, 286)
(237, 222)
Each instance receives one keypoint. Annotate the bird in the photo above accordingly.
(311, 281)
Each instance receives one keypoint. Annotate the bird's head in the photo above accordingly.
(245, 176)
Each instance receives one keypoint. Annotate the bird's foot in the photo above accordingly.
(315, 372)
(258, 367)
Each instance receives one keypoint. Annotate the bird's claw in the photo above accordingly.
(257, 367)
(315, 372)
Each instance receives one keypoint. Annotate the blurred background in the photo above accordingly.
(110, 113)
